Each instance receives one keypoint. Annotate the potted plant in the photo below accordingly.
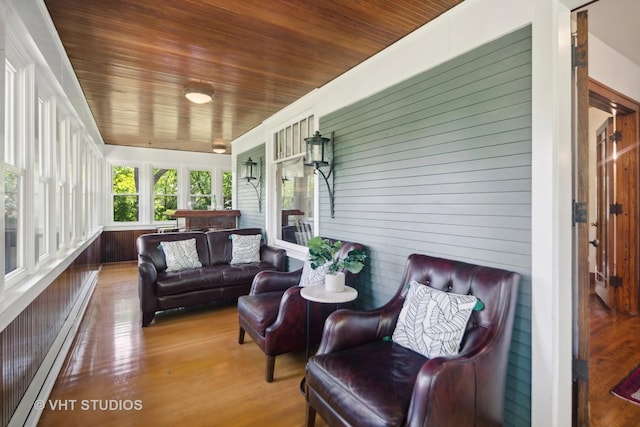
(323, 253)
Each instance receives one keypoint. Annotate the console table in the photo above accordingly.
(205, 220)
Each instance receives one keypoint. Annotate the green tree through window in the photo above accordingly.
(200, 187)
(125, 193)
(165, 193)
(226, 190)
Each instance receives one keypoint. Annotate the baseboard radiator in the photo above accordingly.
(34, 345)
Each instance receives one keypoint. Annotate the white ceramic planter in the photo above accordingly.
(334, 282)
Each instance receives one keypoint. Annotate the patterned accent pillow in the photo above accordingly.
(245, 249)
(311, 277)
(433, 322)
(181, 254)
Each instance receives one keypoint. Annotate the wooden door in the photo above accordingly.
(616, 269)
(605, 222)
(581, 226)
(624, 280)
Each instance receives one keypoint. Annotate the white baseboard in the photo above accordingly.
(28, 412)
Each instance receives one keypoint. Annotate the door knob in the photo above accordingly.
(594, 242)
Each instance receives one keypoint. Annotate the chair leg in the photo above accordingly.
(241, 336)
(269, 368)
(311, 416)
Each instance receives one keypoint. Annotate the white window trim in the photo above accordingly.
(295, 251)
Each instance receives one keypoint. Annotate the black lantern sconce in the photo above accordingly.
(320, 154)
(249, 171)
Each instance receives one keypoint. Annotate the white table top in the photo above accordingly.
(320, 294)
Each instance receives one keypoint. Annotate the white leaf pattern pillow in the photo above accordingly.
(181, 255)
(311, 277)
(245, 249)
(433, 322)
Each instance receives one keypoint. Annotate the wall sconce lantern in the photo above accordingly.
(320, 154)
(249, 171)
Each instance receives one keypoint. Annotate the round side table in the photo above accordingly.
(318, 294)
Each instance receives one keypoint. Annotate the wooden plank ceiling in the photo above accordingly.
(133, 59)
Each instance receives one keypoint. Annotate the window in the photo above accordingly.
(12, 204)
(13, 176)
(200, 197)
(61, 141)
(126, 198)
(296, 188)
(165, 192)
(41, 187)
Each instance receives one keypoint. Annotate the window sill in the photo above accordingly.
(18, 296)
(293, 251)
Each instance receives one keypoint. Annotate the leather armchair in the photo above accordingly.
(274, 313)
(359, 377)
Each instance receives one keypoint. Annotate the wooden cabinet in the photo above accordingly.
(205, 220)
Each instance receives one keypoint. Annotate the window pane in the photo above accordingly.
(10, 115)
(227, 187)
(59, 215)
(165, 192)
(200, 203)
(40, 216)
(125, 180)
(200, 182)
(125, 208)
(125, 189)
(296, 202)
(200, 188)
(11, 221)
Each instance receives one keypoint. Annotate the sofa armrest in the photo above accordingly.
(147, 278)
(274, 256)
(270, 281)
(349, 328)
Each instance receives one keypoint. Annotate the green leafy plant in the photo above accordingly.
(323, 252)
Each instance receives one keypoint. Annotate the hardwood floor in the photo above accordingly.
(614, 352)
(187, 368)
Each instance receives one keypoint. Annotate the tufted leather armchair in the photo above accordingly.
(359, 377)
(274, 313)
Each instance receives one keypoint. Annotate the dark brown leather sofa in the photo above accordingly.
(216, 280)
(359, 377)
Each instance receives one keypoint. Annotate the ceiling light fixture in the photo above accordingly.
(198, 94)
(219, 148)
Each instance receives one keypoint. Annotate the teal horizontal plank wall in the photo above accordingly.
(441, 164)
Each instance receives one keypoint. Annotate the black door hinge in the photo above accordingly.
(579, 212)
(580, 370)
(616, 136)
(578, 57)
(615, 209)
(615, 281)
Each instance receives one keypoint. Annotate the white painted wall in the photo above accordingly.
(610, 68)
(467, 26)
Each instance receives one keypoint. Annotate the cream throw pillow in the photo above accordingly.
(311, 277)
(181, 255)
(245, 249)
(433, 322)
